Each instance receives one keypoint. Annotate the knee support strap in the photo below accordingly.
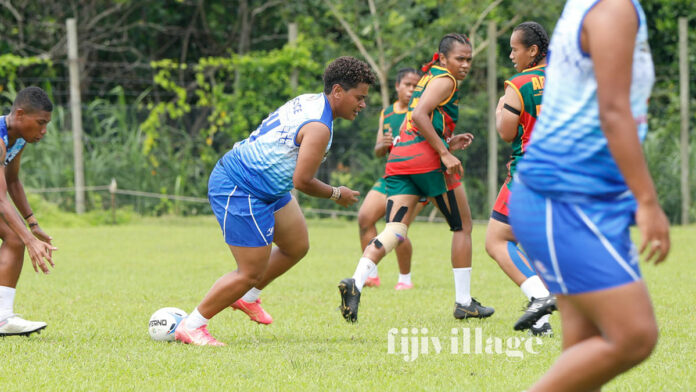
(393, 234)
(451, 214)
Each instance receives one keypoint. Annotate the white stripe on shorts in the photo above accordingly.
(552, 246)
(257, 225)
(224, 220)
(605, 242)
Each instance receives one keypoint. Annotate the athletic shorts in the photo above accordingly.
(245, 220)
(500, 208)
(381, 187)
(429, 184)
(576, 247)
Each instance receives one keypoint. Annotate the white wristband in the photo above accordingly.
(335, 193)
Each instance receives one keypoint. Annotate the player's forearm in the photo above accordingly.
(622, 138)
(9, 216)
(16, 191)
(314, 187)
(425, 127)
(381, 149)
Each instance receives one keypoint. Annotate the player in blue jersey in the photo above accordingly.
(582, 181)
(26, 123)
(249, 192)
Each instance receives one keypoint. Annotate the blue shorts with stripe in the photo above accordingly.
(244, 219)
(576, 247)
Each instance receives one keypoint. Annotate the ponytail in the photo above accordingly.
(426, 67)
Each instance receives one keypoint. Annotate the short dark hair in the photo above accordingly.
(347, 72)
(33, 99)
(403, 72)
(534, 34)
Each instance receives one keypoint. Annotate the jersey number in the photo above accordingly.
(270, 123)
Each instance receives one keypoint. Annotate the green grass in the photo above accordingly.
(109, 280)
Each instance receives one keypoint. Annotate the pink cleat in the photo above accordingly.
(253, 310)
(372, 282)
(403, 286)
(198, 337)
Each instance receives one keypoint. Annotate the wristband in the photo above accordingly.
(29, 216)
(335, 193)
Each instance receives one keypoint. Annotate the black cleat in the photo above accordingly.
(474, 309)
(544, 330)
(536, 308)
(350, 299)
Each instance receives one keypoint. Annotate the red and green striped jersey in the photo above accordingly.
(392, 120)
(529, 86)
(412, 154)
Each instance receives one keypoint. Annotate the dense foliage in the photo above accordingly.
(167, 89)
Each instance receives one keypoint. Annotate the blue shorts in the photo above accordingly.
(576, 247)
(245, 220)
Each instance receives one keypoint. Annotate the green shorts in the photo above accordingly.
(380, 186)
(429, 184)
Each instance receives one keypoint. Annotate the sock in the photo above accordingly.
(405, 278)
(252, 295)
(373, 273)
(534, 287)
(7, 295)
(544, 319)
(462, 285)
(362, 271)
(195, 320)
(518, 258)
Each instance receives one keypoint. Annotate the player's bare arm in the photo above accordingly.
(613, 61)
(37, 249)
(16, 191)
(435, 93)
(384, 140)
(313, 139)
(506, 121)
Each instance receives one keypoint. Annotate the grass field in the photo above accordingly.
(109, 280)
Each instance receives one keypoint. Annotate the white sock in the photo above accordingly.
(405, 278)
(195, 320)
(534, 287)
(544, 319)
(252, 295)
(462, 285)
(7, 295)
(373, 273)
(362, 271)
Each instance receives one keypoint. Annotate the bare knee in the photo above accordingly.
(365, 222)
(297, 251)
(637, 343)
(491, 245)
(249, 278)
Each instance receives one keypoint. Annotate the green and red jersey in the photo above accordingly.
(412, 154)
(392, 120)
(529, 86)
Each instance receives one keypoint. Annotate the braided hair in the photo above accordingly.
(446, 44)
(534, 34)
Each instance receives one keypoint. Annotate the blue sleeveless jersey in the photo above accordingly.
(16, 147)
(568, 156)
(264, 163)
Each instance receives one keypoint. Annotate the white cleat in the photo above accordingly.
(15, 325)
